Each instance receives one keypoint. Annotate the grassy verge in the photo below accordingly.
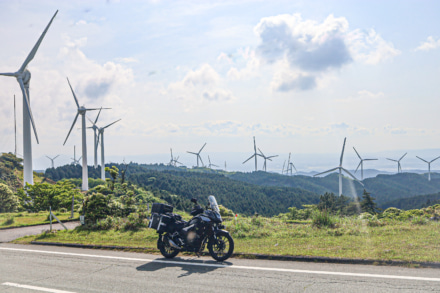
(351, 238)
(11, 220)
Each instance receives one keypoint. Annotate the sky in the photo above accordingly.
(300, 76)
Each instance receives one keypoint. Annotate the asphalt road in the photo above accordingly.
(64, 270)
(7, 235)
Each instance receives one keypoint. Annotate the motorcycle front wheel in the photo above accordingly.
(166, 250)
(221, 248)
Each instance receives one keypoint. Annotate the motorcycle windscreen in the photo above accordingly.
(213, 203)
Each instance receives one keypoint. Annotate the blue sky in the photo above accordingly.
(298, 75)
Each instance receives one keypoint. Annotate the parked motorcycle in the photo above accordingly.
(176, 235)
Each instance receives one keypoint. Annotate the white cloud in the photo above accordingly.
(430, 44)
(201, 85)
(302, 52)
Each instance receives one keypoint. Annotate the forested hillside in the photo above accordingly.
(239, 196)
(414, 202)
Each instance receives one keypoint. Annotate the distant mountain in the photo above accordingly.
(414, 202)
(383, 187)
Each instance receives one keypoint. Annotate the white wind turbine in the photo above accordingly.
(23, 77)
(101, 135)
(340, 168)
(429, 166)
(95, 140)
(266, 158)
(198, 155)
(81, 111)
(52, 159)
(75, 161)
(174, 161)
(211, 165)
(361, 164)
(399, 167)
(254, 155)
(290, 165)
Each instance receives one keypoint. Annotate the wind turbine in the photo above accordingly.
(254, 155)
(101, 134)
(429, 166)
(266, 158)
(198, 155)
(75, 161)
(52, 159)
(23, 77)
(210, 165)
(95, 128)
(174, 161)
(340, 168)
(361, 164)
(399, 167)
(81, 111)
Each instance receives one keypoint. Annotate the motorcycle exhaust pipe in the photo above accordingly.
(173, 245)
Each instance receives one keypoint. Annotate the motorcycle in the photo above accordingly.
(205, 228)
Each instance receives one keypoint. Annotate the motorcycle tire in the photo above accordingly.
(166, 250)
(222, 248)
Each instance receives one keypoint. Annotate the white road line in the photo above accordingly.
(230, 266)
(35, 288)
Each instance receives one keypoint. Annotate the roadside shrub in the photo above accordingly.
(323, 219)
(8, 201)
(9, 221)
(134, 222)
(419, 220)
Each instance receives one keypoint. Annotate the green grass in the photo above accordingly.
(28, 219)
(351, 238)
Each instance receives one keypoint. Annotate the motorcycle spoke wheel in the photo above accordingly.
(167, 251)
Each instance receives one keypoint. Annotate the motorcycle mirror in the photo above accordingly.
(194, 200)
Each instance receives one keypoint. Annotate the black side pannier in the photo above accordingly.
(154, 221)
(161, 208)
(164, 222)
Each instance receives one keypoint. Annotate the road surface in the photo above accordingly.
(29, 268)
(7, 235)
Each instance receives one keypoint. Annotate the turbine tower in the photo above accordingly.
(101, 134)
(340, 168)
(399, 167)
(254, 155)
(52, 159)
(23, 77)
(290, 166)
(75, 161)
(81, 111)
(266, 158)
(361, 164)
(198, 155)
(429, 166)
(210, 165)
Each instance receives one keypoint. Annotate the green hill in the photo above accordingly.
(414, 202)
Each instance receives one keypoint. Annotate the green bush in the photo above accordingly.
(323, 219)
(9, 221)
(8, 201)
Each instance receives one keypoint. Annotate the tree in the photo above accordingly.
(367, 204)
(8, 201)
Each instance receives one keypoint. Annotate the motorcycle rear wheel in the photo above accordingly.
(222, 248)
(166, 250)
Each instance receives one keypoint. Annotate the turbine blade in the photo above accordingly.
(371, 159)
(422, 159)
(402, 156)
(8, 74)
(249, 158)
(392, 160)
(261, 153)
(73, 124)
(111, 123)
(294, 167)
(357, 153)
(203, 165)
(96, 120)
(435, 159)
(74, 96)
(56, 157)
(272, 157)
(192, 153)
(328, 171)
(255, 146)
(342, 154)
(48, 158)
(202, 148)
(94, 109)
(346, 171)
(358, 167)
(36, 46)
(28, 107)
